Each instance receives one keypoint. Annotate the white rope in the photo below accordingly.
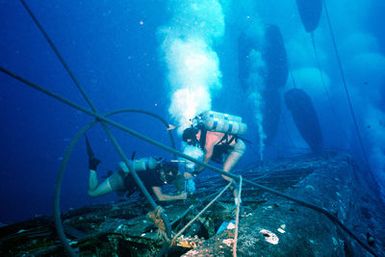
(238, 197)
(200, 213)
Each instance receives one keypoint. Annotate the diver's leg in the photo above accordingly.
(92, 180)
(95, 189)
(232, 159)
(113, 183)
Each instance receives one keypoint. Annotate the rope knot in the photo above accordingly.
(156, 217)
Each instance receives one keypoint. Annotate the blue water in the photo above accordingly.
(114, 49)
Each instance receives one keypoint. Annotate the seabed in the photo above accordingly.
(269, 225)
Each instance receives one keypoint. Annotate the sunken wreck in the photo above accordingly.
(340, 214)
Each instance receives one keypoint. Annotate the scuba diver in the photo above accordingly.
(154, 173)
(217, 135)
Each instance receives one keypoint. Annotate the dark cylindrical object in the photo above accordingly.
(310, 12)
(305, 117)
(275, 57)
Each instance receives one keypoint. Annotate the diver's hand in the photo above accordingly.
(93, 163)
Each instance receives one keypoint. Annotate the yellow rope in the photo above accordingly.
(156, 217)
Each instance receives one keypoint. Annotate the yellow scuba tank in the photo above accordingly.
(222, 122)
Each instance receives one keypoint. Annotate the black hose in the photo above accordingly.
(180, 154)
(63, 166)
(59, 180)
(113, 123)
(346, 89)
(174, 151)
(91, 105)
(57, 53)
(165, 123)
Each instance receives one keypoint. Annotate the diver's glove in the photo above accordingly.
(93, 163)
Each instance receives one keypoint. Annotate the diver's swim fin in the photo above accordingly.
(90, 152)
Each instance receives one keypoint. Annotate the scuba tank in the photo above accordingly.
(145, 163)
(222, 122)
(140, 164)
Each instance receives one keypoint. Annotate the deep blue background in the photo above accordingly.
(116, 58)
(112, 55)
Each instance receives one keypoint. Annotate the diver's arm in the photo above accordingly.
(209, 149)
(206, 160)
(212, 139)
(209, 153)
(166, 197)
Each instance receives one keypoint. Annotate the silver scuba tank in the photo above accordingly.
(140, 164)
(222, 122)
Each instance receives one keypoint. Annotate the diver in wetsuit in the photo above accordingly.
(217, 146)
(217, 135)
(153, 172)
